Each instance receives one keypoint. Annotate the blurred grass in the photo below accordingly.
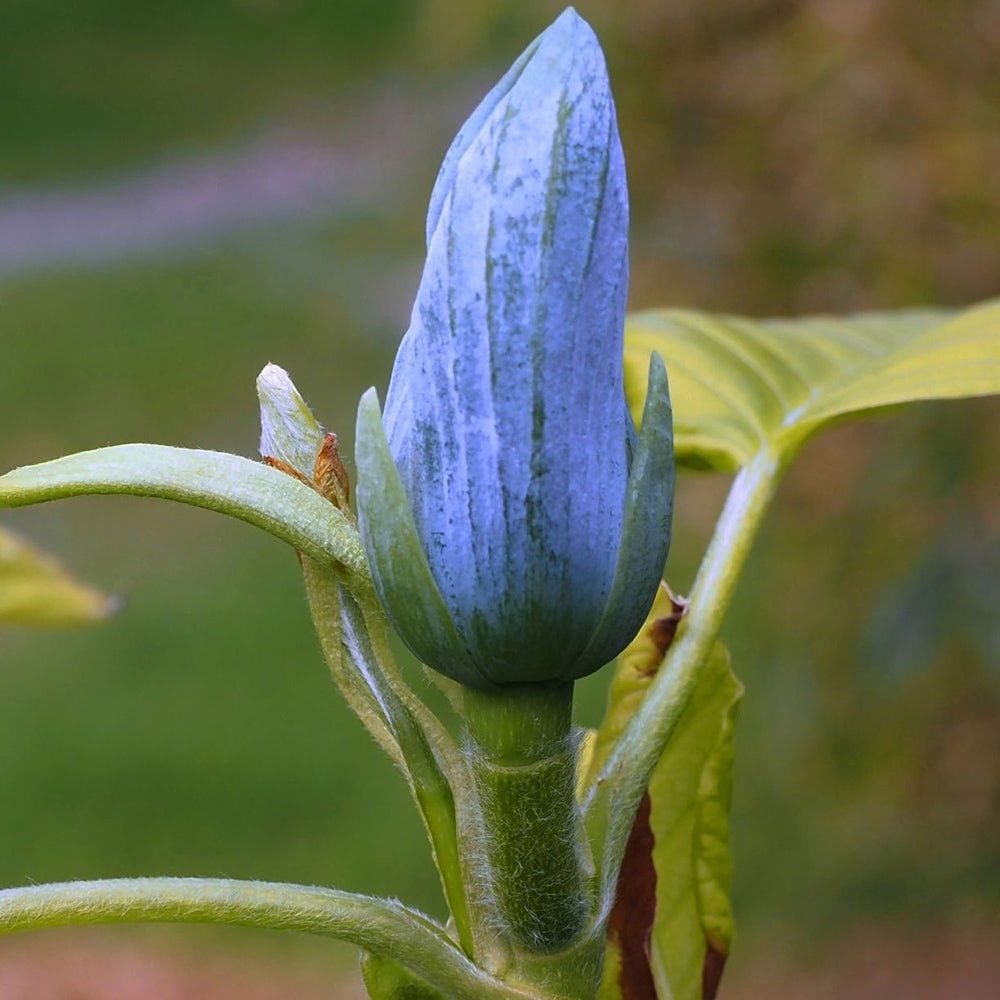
(95, 86)
(782, 157)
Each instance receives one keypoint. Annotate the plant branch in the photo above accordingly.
(380, 926)
(618, 790)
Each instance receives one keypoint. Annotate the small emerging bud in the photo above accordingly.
(288, 430)
(292, 440)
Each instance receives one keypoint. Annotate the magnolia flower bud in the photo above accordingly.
(516, 527)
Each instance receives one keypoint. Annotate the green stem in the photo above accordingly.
(523, 759)
(250, 491)
(441, 784)
(615, 796)
(402, 724)
(378, 926)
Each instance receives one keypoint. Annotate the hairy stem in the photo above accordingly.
(250, 491)
(615, 796)
(523, 759)
(378, 926)
(402, 724)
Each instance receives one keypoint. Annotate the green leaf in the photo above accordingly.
(610, 987)
(417, 610)
(741, 385)
(690, 794)
(649, 504)
(637, 665)
(671, 923)
(36, 590)
(229, 484)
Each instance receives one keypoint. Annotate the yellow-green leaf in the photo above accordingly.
(739, 385)
(690, 794)
(610, 987)
(671, 923)
(636, 666)
(36, 590)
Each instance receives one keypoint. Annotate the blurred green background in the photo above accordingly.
(191, 189)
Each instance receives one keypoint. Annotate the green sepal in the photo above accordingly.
(646, 524)
(409, 593)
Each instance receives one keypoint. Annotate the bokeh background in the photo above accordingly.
(191, 189)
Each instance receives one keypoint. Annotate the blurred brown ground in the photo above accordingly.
(959, 962)
(70, 965)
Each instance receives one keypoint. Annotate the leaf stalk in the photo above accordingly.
(381, 926)
(614, 798)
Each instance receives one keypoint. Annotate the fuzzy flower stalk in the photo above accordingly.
(516, 524)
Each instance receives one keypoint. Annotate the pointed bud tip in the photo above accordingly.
(558, 46)
(369, 401)
(571, 19)
(273, 377)
(570, 32)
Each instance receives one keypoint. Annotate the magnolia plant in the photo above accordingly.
(513, 508)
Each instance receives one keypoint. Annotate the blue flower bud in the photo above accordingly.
(516, 526)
